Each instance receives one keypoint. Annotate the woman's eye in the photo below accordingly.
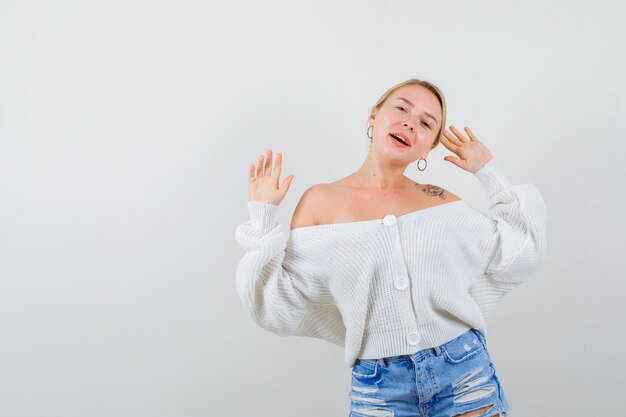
(427, 125)
(400, 107)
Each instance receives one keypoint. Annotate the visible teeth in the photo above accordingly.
(399, 138)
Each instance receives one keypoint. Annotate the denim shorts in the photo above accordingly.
(454, 378)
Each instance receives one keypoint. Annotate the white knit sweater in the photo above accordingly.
(395, 285)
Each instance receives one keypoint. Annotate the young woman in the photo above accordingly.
(402, 274)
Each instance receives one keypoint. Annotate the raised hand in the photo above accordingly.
(473, 154)
(264, 182)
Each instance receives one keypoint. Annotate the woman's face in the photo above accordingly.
(413, 112)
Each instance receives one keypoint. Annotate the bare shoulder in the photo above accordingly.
(307, 211)
(438, 192)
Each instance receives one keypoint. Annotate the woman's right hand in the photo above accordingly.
(264, 182)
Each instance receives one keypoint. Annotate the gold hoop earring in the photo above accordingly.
(369, 135)
(418, 163)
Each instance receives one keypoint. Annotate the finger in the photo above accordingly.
(471, 134)
(278, 165)
(267, 168)
(456, 161)
(259, 167)
(453, 141)
(459, 134)
(251, 176)
(286, 183)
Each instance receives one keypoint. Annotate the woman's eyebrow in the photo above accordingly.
(411, 104)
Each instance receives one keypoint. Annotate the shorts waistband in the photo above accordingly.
(436, 350)
(424, 352)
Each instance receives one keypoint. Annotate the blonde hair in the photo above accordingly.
(431, 87)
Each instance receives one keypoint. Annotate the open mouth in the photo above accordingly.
(399, 139)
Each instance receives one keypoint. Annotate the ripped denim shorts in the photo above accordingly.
(454, 378)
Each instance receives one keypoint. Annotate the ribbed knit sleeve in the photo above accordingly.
(282, 295)
(515, 244)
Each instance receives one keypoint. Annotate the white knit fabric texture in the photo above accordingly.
(395, 285)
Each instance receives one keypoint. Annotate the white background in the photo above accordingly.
(126, 133)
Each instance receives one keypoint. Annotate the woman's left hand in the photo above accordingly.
(473, 154)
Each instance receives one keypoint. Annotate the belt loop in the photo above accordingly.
(437, 350)
(480, 336)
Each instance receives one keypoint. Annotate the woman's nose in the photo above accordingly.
(406, 124)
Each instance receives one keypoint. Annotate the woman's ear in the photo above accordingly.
(373, 114)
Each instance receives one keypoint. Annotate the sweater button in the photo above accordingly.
(413, 338)
(389, 220)
(401, 283)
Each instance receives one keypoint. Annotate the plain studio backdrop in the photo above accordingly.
(126, 133)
